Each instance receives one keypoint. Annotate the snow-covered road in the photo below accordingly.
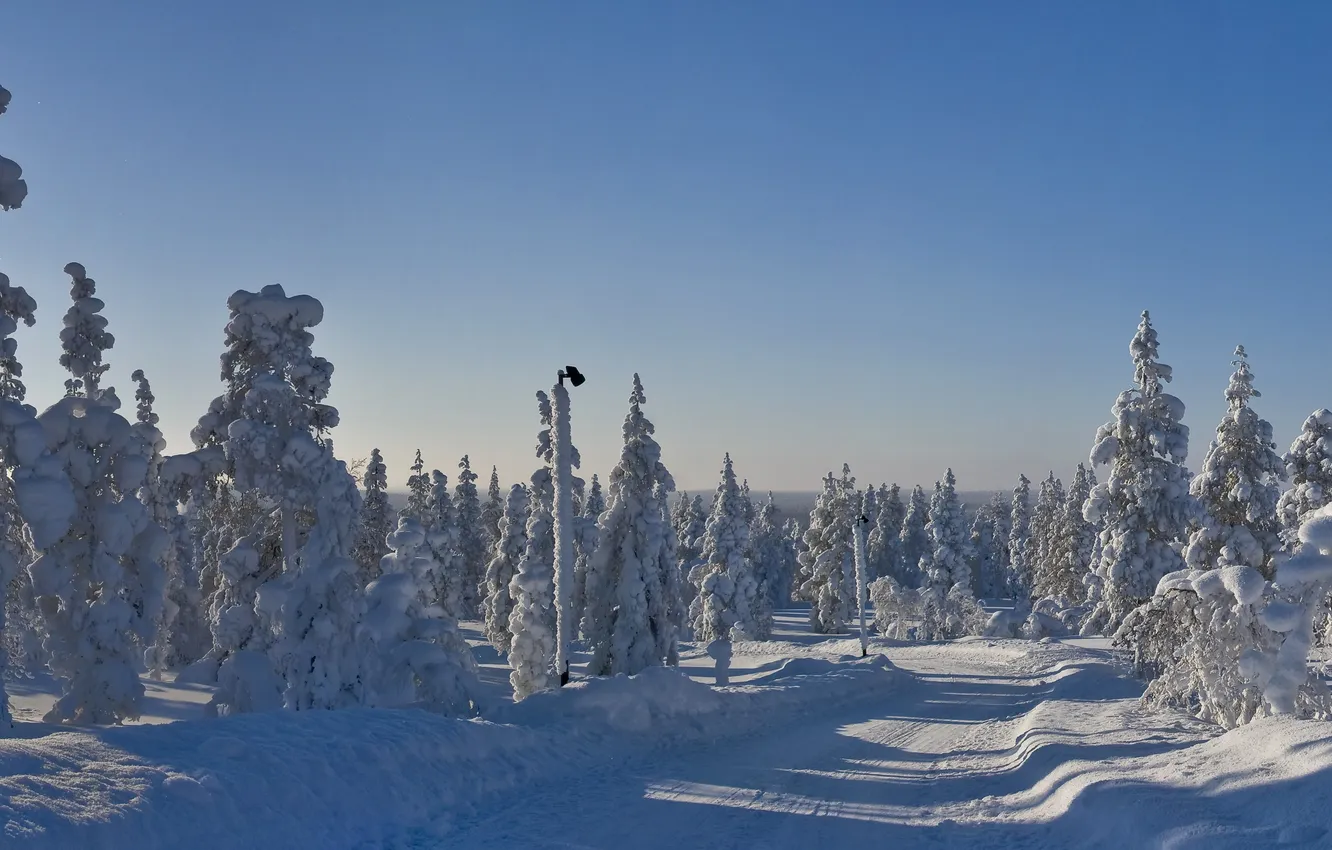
(990, 746)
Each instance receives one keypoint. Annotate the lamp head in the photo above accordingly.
(575, 377)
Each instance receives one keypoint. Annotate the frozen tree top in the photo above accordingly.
(276, 307)
(13, 189)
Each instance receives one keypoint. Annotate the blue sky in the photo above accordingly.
(903, 235)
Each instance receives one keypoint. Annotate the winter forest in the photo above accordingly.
(458, 660)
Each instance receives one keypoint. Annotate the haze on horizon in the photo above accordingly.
(903, 236)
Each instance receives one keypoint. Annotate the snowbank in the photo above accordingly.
(365, 777)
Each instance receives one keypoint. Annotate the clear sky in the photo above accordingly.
(903, 235)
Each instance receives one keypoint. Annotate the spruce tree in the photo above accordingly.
(629, 616)
(471, 537)
(1074, 544)
(498, 605)
(727, 597)
(377, 519)
(1309, 466)
(532, 620)
(1019, 523)
(418, 491)
(985, 549)
(774, 558)
(586, 539)
(13, 188)
(1042, 539)
(1239, 486)
(444, 539)
(825, 572)
(1144, 506)
(915, 540)
(885, 539)
(493, 510)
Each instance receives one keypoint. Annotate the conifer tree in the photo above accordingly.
(1001, 513)
(532, 620)
(418, 492)
(1309, 466)
(726, 595)
(586, 539)
(629, 615)
(1239, 486)
(1143, 507)
(885, 539)
(915, 540)
(774, 559)
(826, 576)
(985, 549)
(443, 537)
(1073, 545)
(492, 511)
(498, 605)
(1041, 539)
(949, 604)
(377, 519)
(1019, 523)
(13, 188)
(471, 537)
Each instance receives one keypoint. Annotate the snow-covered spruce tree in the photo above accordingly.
(586, 538)
(163, 505)
(774, 559)
(1144, 506)
(1239, 486)
(628, 618)
(1043, 537)
(420, 657)
(13, 188)
(669, 607)
(1071, 552)
(1309, 466)
(492, 511)
(100, 585)
(726, 594)
(689, 520)
(443, 537)
(825, 573)
(885, 539)
(471, 537)
(985, 547)
(996, 586)
(950, 608)
(498, 605)
(915, 540)
(1020, 570)
(532, 620)
(747, 502)
(418, 491)
(377, 519)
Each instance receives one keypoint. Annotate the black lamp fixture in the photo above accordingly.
(575, 377)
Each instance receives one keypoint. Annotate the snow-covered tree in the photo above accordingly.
(985, 560)
(1239, 486)
(418, 491)
(726, 597)
(1144, 506)
(774, 557)
(628, 618)
(420, 657)
(1042, 538)
(492, 511)
(996, 586)
(885, 539)
(915, 540)
(1071, 552)
(99, 585)
(471, 537)
(825, 571)
(532, 620)
(377, 518)
(13, 188)
(1019, 522)
(949, 602)
(1309, 466)
(498, 605)
(689, 520)
(586, 539)
(443, 537)
(747, 502)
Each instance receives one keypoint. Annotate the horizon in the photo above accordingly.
(899, 237)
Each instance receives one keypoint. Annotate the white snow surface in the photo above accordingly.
(974, 743)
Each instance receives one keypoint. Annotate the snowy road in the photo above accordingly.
(983, 749)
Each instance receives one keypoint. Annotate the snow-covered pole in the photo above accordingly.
(862, 523)
(562, 449)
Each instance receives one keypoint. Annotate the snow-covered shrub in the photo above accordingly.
(418, 656)
(629, 618)
(1143, 507)
(898, 610)
(1230, 646)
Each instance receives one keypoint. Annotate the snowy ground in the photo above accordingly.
(971, 744)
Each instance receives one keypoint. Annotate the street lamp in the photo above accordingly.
(562, 449)
(862, 523)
